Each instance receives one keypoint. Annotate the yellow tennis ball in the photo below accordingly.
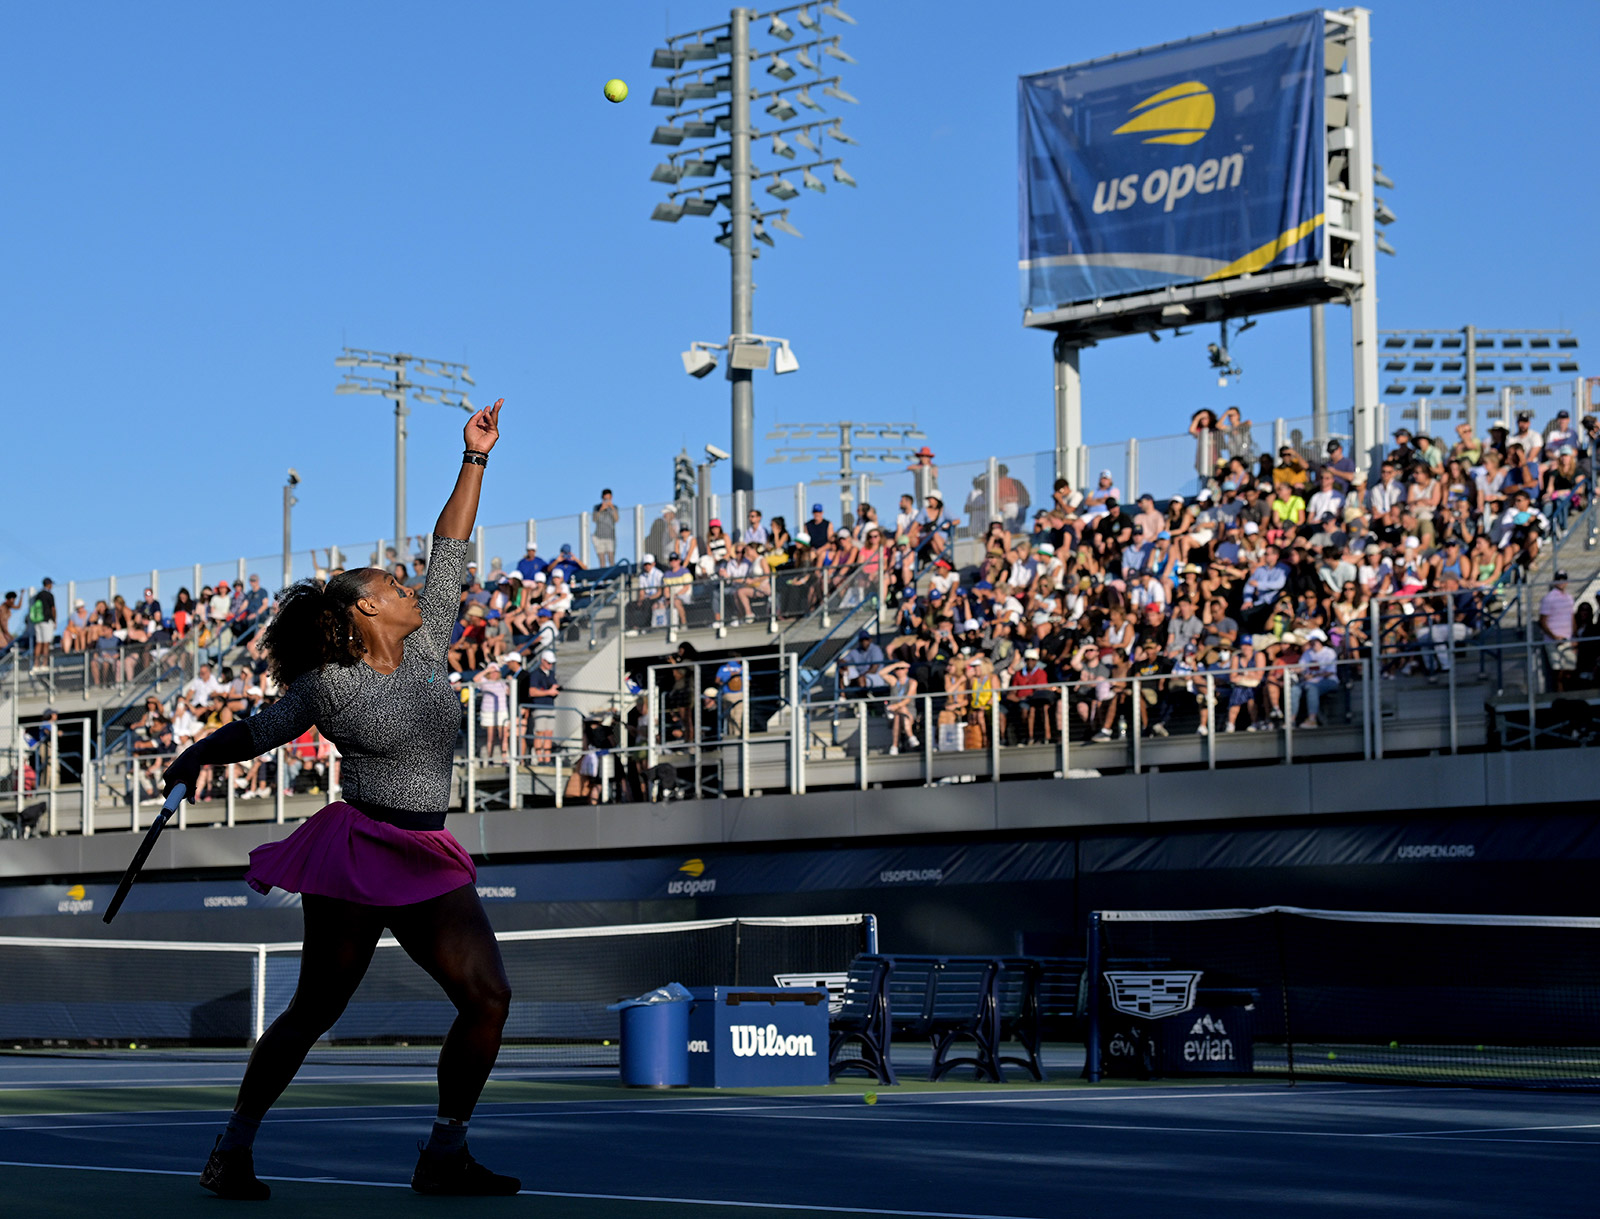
(871, 1098)
(616, 90)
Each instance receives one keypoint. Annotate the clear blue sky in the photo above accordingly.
(201, 202)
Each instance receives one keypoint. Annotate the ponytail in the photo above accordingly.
(314, 626)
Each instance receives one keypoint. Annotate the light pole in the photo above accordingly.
(720, 57)
(847, 451)
(289, 501)
(1455, 365)
(399, 390)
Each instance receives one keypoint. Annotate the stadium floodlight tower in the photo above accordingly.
(845, 453)
(429, 387)
(1219, 177)
(702, 64)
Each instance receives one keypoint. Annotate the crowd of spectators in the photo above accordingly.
(1273, 566)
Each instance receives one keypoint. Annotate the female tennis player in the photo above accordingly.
(363, 658)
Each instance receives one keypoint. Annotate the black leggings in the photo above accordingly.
(448, 936)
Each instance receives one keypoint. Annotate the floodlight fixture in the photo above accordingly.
(839, 175)
(916, 433)
(1381, 212)
(782, 188)
(666, 95)
(1383, 246)
(350, 387)
(668, 134)
(837, 13)
(811, 182)
(785, 360)
(782, 147)
(780, 109)
(749, 356)
(805, 18)
(698, 361)
(803, 138)
(776, 458)
(670, 212)
(780, 221)
(780, 67)
(836, 132)
(759, 232)
(345, 362)
(780, 28)
(835, 91)
(699, 129)
(666, 171)
(699, 205)
(803, 58)
(834, 51)
(1382, 179)
(805, 99)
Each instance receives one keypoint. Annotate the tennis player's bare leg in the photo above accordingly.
(450, 937)
(339, 940)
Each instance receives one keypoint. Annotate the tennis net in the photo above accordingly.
(213, 1000)
(1433, 998)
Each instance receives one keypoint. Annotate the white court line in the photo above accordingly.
(557, 1193)
(10, 1085)
(667, 1104)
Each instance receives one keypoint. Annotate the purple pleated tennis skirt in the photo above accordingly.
(341, 852)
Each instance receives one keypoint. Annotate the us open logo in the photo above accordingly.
(753, 1041)
(1182, 114)
(75, 902)
(694, 869)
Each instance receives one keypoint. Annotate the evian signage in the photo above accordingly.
(755, 1041)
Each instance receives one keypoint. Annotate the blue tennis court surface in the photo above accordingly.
(115, 1138)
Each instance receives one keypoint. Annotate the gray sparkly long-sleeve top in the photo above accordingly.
(396, 732)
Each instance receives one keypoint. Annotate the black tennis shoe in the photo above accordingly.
(232, 1174)
(458, 1174)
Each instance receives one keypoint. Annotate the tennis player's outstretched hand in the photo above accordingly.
(483, 429)
(185, 769)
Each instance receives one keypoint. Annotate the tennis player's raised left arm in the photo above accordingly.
(461, 509)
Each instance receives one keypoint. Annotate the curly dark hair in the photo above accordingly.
(313, 626)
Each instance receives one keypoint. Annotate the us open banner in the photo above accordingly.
(1198, 160)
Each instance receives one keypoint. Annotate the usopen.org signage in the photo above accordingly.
(1198, 160)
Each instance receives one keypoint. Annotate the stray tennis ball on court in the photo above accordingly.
(133, 1045)
(871, 1098)
(616, 90)
(605, 1043)
(1331, 1056)
(1480, 1047)
(1394, 1045)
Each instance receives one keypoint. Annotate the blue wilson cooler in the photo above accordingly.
(757, 1036)
(655, 1045)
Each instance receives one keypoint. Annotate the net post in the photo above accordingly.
(1283, 992)
(1091, 1039)
(258, 1015)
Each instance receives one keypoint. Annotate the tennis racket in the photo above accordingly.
(145, 847)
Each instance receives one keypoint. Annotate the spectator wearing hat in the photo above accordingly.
(567, 565)
(1105, 492)
(1027, 703)
(861, 665)
(924, 474)
(493, 711)
(1526, 437)
(1342, 467)
(648, 586)
(1556, 626)
(1318, 676)
(542, 691)
(901, 707)
(530, 565)
(932, 529)
(719, 546)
